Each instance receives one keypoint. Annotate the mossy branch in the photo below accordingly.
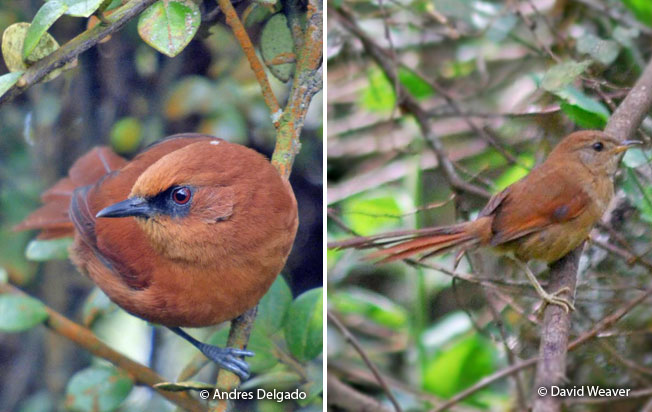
(307, 82)
(141, 374)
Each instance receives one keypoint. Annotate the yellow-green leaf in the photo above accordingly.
(303, 326)
(44, 18)
(97, 389)
(8, 80)
(276, 46)
(13, 40)
(168, 26)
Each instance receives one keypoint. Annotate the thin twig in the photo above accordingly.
(556, 326)
(289, 124)
(141, 374)
(585, 337)
(356, 345)
(408, 103)
(348, 399)
(257, 67)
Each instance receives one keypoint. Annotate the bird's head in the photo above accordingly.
(598, 151)
(198, 202)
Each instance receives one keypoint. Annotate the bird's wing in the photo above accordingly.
(52, 219)
(546, 196)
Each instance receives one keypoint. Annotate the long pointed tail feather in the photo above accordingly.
(405, 243)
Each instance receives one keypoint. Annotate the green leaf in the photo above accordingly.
(44, 250)
(369, 215)
(636, 157)
(43, 20)
(640, 195)
(8, 80)
(4, 275)
(379, 95)
(184, 386)
(604, 51)
(97, 389)
(315, 385)
(258, 12)
(445, 330)
(562, 74)
(19, 313)
(415, 84)
(459, 366)
(82, 8)
(583, 110)
(276, 42)
(642, 9)
(13, 39)
(96, 305)
(168, 26)
(371, 305)
(515, 173)
(273, 307)
(303, 326)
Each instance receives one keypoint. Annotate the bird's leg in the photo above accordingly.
(548, 298)
(226, 358)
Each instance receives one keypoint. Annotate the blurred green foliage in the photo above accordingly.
(521, 75)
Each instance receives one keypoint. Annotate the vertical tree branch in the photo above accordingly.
(551, 365)
(307, 82)
(257, 67)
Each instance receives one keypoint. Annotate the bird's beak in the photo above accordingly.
(135, 206)
(626, 144)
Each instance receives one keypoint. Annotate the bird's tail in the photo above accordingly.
(405, 243)
(52, 218)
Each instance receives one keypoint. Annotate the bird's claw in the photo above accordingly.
(229, 359)
(554, 299)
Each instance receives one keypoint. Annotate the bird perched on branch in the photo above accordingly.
(543, 216)
(192, 232)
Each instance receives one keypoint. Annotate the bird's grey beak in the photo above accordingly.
(135, 206)
(627, 144)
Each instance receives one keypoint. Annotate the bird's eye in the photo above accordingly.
(181, 195)
(598, 146)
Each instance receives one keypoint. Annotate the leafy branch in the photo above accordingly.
(82, 336)
(307, 82)
(73, 48)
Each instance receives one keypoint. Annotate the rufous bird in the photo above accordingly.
(543, 216)
(190, 233)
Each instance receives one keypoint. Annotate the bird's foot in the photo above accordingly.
(554, 299)
(228, 358)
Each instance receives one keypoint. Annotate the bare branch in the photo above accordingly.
(556, 326)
